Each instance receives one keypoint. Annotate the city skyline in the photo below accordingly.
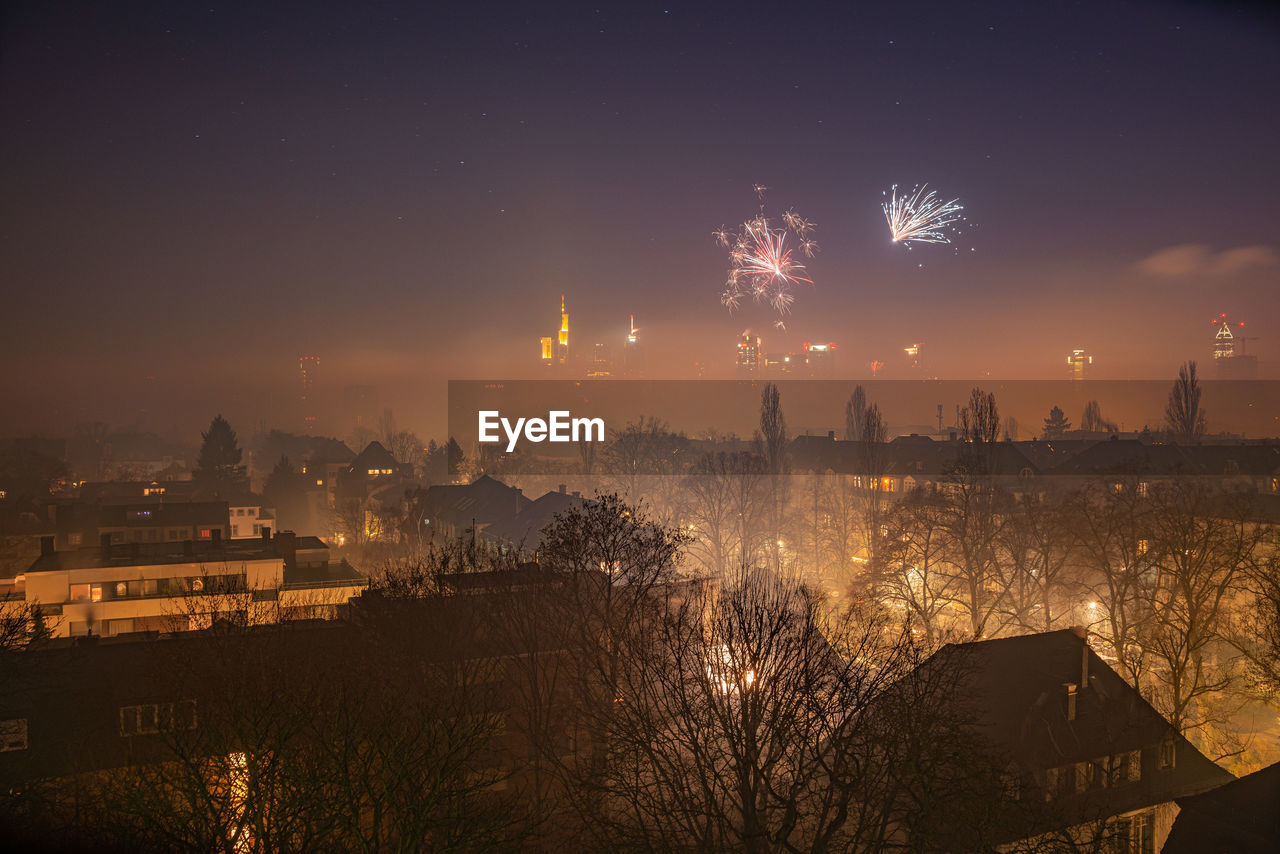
(351, 183)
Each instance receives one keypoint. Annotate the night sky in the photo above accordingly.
(194, 196)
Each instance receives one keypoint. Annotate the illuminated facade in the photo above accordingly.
(915, 358)
(1229, 358)
(631, 352)
(555, 351)
(1078, 364)
(749, 359)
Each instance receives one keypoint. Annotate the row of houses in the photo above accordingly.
(1081, 750)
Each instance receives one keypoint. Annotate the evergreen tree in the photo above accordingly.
(218, 465)
(1056, 424)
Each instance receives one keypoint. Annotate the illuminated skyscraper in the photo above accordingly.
(915, 355)
(631, 352)
(555, 351)
(1224, 342)
(749, 355)
(1229, 358)
(307, 368)
(562, 343)
(1078, 363)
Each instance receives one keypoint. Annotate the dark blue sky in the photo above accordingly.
(198, 194)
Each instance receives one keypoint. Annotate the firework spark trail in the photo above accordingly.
(921, 217)
(761, 264)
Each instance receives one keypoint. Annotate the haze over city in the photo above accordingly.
(643, 427)
(198, 195)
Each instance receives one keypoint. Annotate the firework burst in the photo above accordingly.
(921, 217)
(762, 260)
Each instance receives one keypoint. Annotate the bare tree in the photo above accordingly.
(1035, 544)
(911, 569)
(1184, 419)
(772, 439)
(723, 506)
(1114, 536)
(1207, 542)
(975, 515)
(1093, 422)
(855, 409)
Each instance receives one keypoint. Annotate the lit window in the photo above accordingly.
(73, 540)
(1143, 546)
(1142, 488)
(122, 589)
(95, 592)
(79, 593)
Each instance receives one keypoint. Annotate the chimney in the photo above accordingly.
(287, 548)
(189, 548)
(953, 435)
(46, 546)
(562, 488)
(1084, 664)
(216, 535)
(831, 434)
(1072, 690)
(266, 533)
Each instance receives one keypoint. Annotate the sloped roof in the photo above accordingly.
(374, 456)
(1015, 690)
(484, 500)
(1240, 817)
(525, 527)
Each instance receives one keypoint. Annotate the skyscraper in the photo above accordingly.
(632, 361)
(749, 355)
(307, 368)
(555, 350)
(1229, 358)
(1078, 363)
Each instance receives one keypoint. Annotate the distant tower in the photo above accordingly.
(1078, 364)
(1224, 343)
(749, 354)
(601, 361)
(555, 351)
(1231, 362)
(876, 366)
(914, 355)
(631, 353)
(307, 368)
(562, 344)
(819, 359)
